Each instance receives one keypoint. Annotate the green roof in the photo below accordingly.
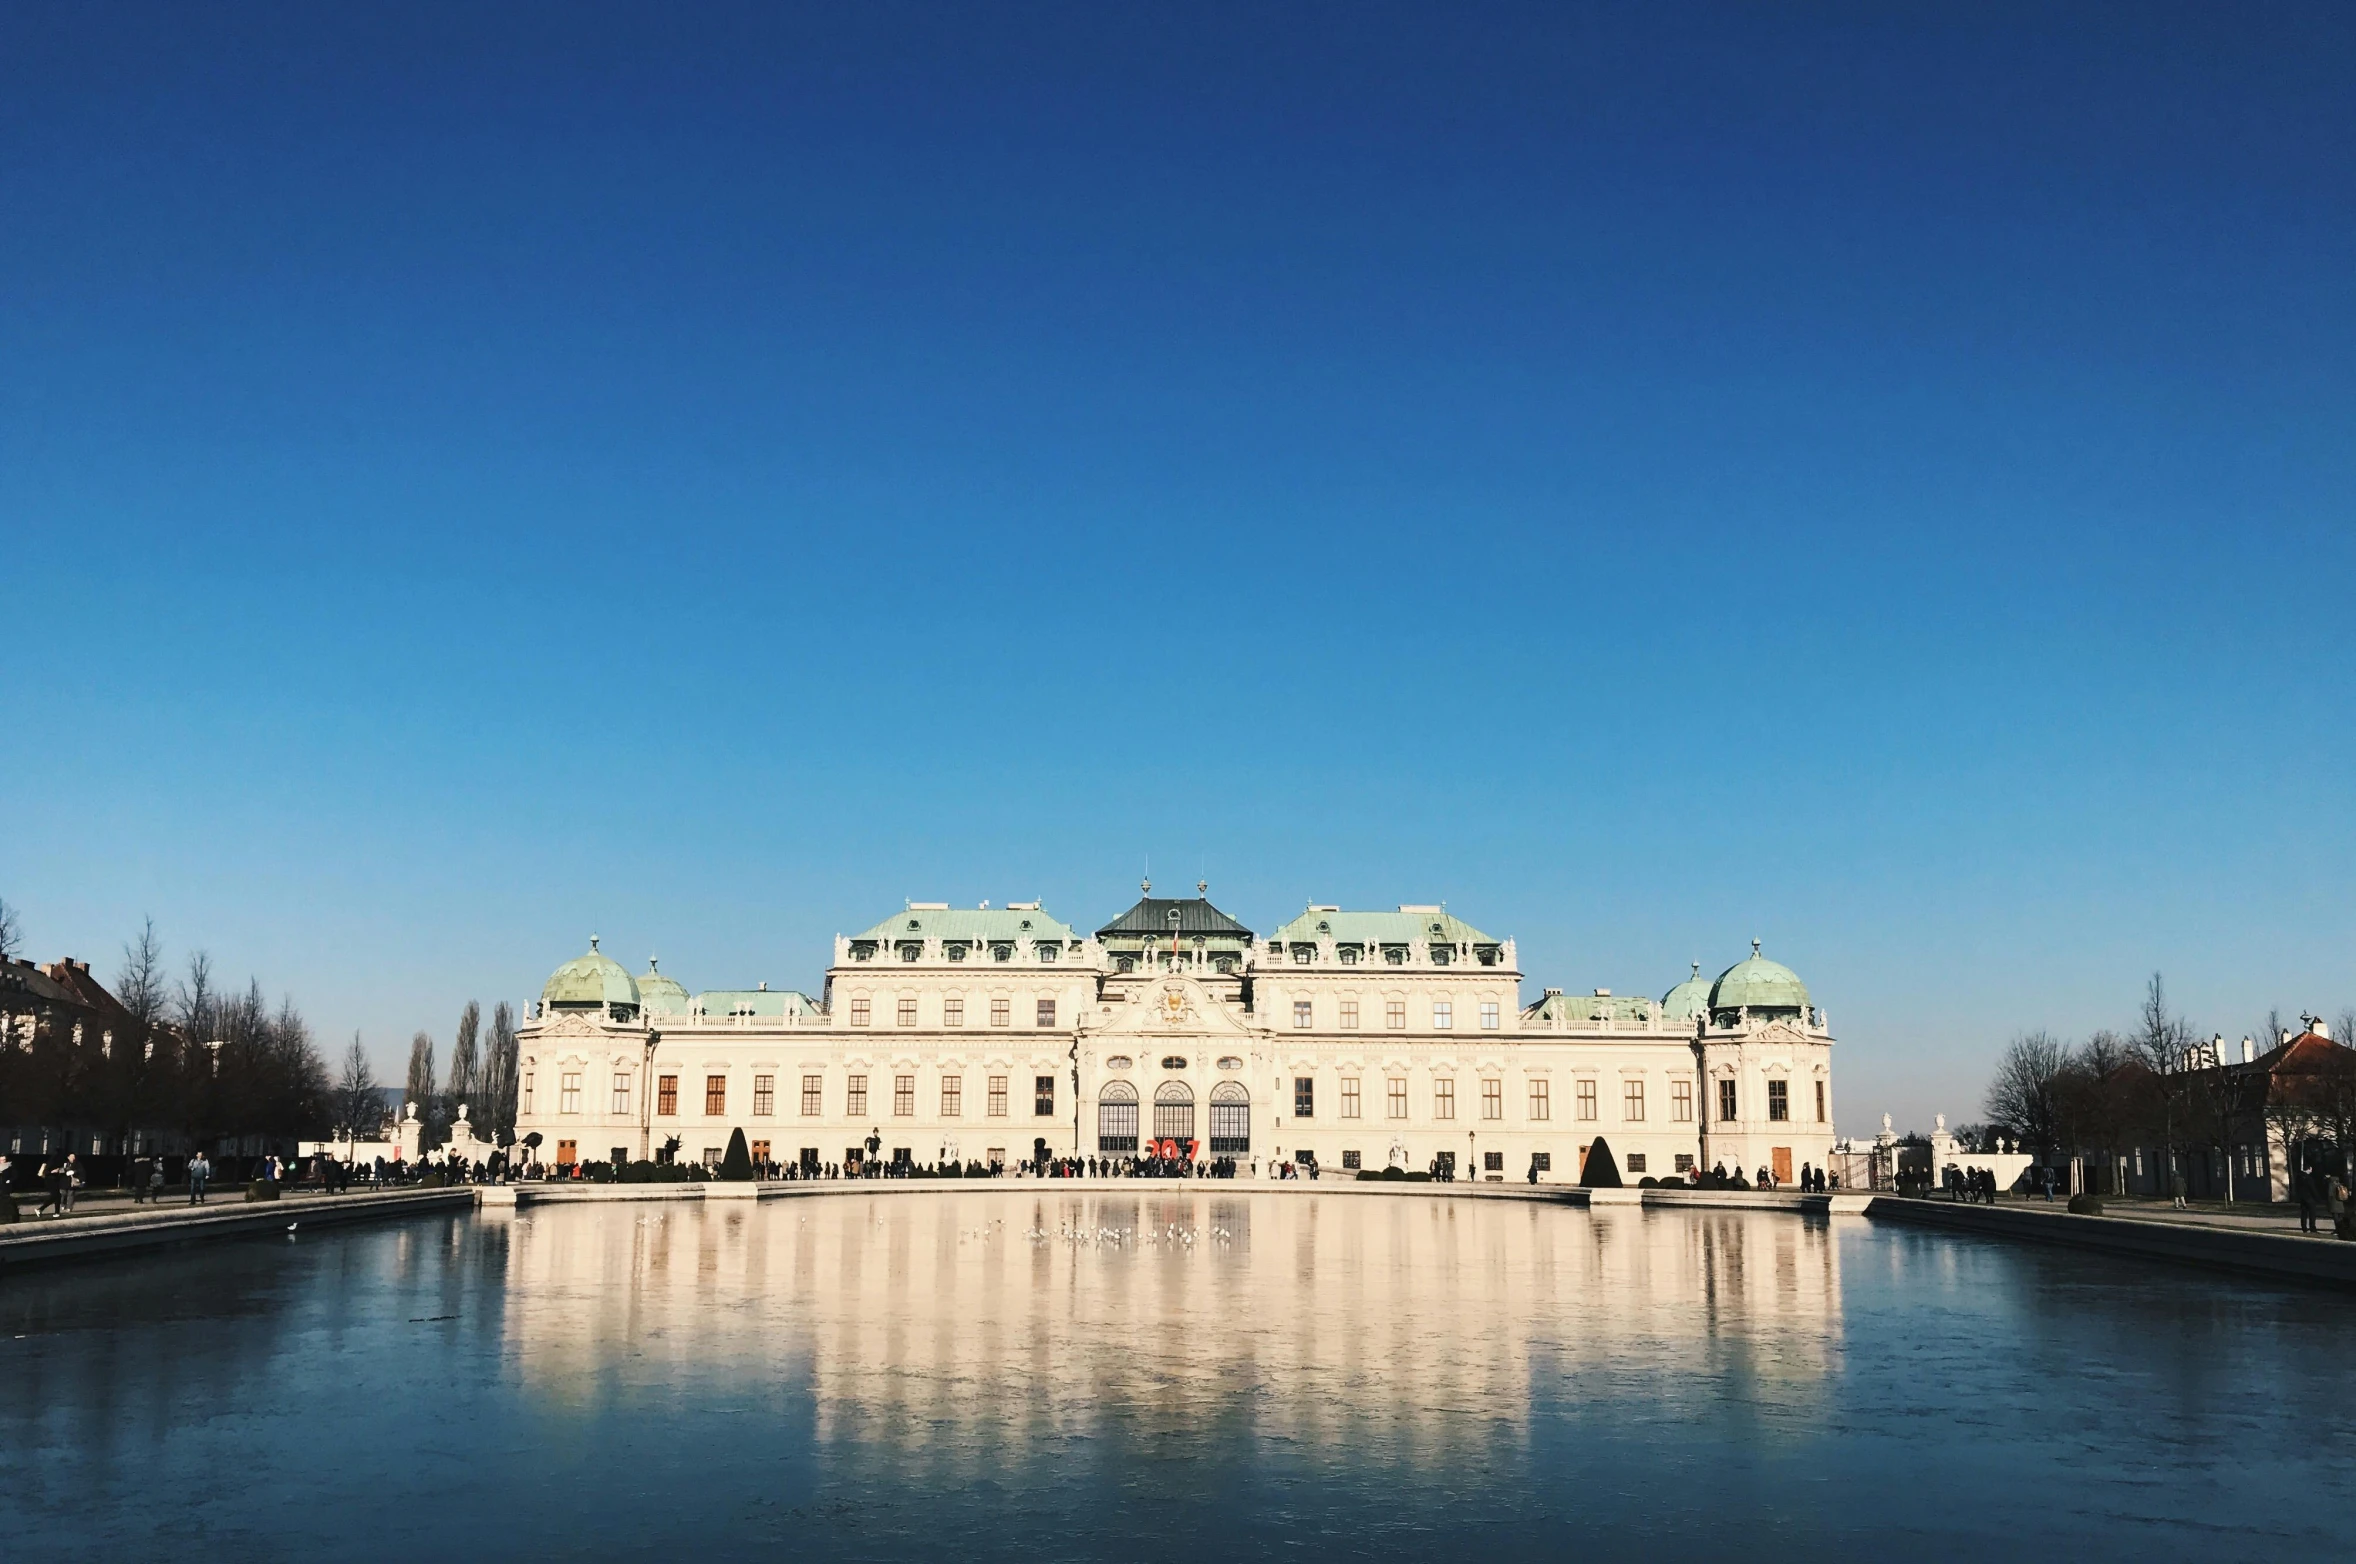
(1379, 928)
(767, 1003)
(1689, 998)
(1580, 1009)
(1758, 984)
(593, 979)
(660, 995)
(993, 923)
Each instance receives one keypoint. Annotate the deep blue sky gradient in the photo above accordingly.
(1879, 481)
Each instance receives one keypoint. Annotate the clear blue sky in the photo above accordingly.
(1874, 480)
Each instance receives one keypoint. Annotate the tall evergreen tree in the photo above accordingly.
(419, 1088)
(499, 1077)
(465, 1087)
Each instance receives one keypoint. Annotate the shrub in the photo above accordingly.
(261, 1189)
(1602, 1170)
(1395, 1175)
(2086, 1205)
(8, 1210)
(736, 1167)
(1648, 1182)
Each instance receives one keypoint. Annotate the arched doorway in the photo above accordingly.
(1116, 1117)
(1173, 1111)
(1231, 1119)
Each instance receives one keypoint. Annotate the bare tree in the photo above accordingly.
(2163, 1045)
(359, 1106)
(139, 986)
(465, 1064)
(2026, 1094)
(194, 1003)
(420, 1086)
(12, 932)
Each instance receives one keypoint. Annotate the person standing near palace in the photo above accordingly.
(200, 1168)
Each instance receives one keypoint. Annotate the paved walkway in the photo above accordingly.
(2237, 1218)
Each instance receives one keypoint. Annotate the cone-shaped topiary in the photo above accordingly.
(1601, 1171)
(737, 1166)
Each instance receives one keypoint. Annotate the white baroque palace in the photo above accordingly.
(1356, 1040)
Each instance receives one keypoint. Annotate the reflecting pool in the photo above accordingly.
(1017, 1373)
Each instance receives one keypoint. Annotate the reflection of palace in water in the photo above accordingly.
(1025, 1312)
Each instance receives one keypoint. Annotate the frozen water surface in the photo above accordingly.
(1019, 1373)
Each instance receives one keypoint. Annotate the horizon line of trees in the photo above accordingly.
(2161, 1085)
(190, 1057)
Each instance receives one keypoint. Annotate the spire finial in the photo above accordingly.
(592, 942)
(1202, 888)
(1145, 886)
(1754, 948)
(654, 963)
(1697, 969)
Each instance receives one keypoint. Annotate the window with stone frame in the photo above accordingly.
(1043, 1096)
(568, 1092)
(1489, 1015)
(1349, 1096)
(952, 1096)
(903, 1096)
(855, 1097)
(1779, 1101)
(907, 1010)
(813, 1096)
(764, 1096)
(997, 1097)
(1001, 1012)
(715, 1095)
(1302, 1012)
(1395, 1014)
(1046, 1012)
(1443, 1015)
(621, 1108)
(666, 1095)
(1395, 1097)
(1681, 1102)
(953, 1011)
(1304, 1097)
(1349, 1015)
(858, 1012)
(1726, 1101)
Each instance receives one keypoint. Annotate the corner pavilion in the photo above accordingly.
(1351, 1039)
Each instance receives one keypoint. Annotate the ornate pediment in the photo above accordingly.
(1175, 1007)
(571, 1023)
(1778, 1032)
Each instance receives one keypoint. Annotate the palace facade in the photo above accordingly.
(1357, 1040)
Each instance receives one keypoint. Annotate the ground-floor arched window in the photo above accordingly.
(1116, 1117)
(1231, 1119)
(1173, 1111)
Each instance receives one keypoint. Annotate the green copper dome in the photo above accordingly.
(589, 982)
(1759, 985)
(1688, 999)
(659, 995)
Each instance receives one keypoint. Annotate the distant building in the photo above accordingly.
(1354, 1039)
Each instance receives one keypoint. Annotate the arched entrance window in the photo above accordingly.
(1231, 1119)
(1116, 1117)
(1173, 1111)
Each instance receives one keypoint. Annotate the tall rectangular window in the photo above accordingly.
(952, 1096)
(1047, 1012)
(1304, 1097)
(1395, 1013)
(621, 1094)
(1395, 1096)
(908, 1010)
(1443, 1098)
(903, 1096)
(858, 1012)
(1349, 1096)
(1349, 1015)
(1726, 1100)
(953, 1012)
(813, 1096)
(1488, 1015)
(715, 1095)
(1443, 1015)
(855, 1097)
(1043, 1096)
(527, 1094)
(1492, 1098)
(1632, 1101)
(1779, 1101)
(1301, 1013)
(1681, 1102)
(1542, 1099)
(1001, 1012)
(1820, 1102)
(666, 1095)
(764, 1096)
(568, 1092)
(997, 1096)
